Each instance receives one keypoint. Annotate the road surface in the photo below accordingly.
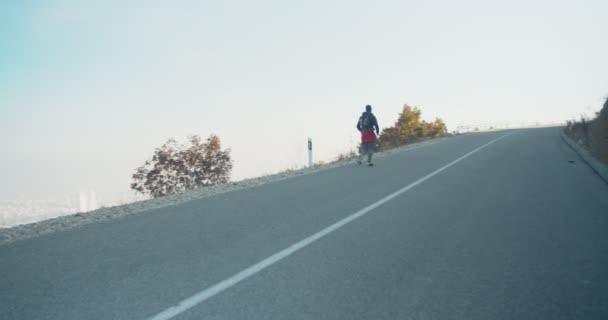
(498, 225)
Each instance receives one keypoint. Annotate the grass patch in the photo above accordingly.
(592, 133)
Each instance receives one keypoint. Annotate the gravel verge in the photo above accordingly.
(26, 231)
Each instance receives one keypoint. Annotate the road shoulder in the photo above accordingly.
(597, 166)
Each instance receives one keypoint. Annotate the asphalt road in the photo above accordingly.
(515, 230)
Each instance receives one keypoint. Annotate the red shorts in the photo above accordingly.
(368, 136)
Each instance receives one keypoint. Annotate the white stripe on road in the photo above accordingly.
(209, 292)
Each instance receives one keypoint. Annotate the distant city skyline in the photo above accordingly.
(88, 89)
(26, 210)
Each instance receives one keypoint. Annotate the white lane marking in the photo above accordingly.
(209, 292)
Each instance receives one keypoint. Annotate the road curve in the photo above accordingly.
(514, 229)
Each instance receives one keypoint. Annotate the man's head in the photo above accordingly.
(368, 108)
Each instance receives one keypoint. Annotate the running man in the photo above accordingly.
(368, 126)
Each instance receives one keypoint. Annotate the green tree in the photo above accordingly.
(177, 168)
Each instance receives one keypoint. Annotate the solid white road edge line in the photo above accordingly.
(209, 292)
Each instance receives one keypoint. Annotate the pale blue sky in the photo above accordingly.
(89, 88)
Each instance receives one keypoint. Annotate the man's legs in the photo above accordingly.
(361, 153)
(366, 149)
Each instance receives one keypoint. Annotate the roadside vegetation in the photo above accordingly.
(410, 128)
(592, 133)
(175, 168)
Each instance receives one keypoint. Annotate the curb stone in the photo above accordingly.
(600, 168)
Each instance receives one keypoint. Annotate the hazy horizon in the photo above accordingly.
(88, 89)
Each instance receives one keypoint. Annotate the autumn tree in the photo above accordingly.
(409, 128)
(177, 168)
(436, 128)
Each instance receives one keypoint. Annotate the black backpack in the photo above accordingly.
(366, 121)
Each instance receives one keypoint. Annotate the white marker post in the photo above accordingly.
(84, 203)
(309, 152)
